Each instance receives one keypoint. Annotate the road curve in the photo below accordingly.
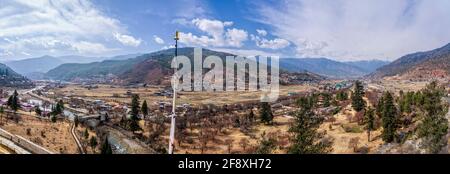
(74, 135)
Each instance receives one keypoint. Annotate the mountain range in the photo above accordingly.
(421, 65)
(152, 68)
(35, 68)
(331, 68)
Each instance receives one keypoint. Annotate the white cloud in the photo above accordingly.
(274, 44)
(236, 37)
(158, 40)
(127, 40)
(216, 35)
(359, 29)
(88, 47)
(62, 27)
(261, 32)
(167, 47)
(247, 52)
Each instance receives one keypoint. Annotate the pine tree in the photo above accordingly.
(379, 107)
(144, 108)
(93, 143)
(2, 111)
(59, 108)
(86, 134)
(389, 118)
(266, 114)
(106, 147)
(434, 126)
(251, 116)
(326, 99)
(369, 119)
(13, 101)
(133, 122)
(358, 102)
(38, 111)
(306, 139)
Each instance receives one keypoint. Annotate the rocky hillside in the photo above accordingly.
(429, 64)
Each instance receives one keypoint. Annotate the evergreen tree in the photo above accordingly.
(434, 126)
(341, 96)
(38, 111)
(251, 116)
(86, 134)
(93, 143)
(76, 121)
(379, 107)
(13, 101)
(389, 118)
(369, 119)
(266, 114)
(358, 102)
(133, 122)
(2, 111)
(306, 139)
(59, 108)
(144, 108)
(106, 147)
(326, 99)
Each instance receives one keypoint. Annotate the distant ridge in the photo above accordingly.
(331, 68)
(428, 64)
(10, 78)
(152, 68)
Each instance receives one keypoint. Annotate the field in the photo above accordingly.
(118, 94)
(52, 136)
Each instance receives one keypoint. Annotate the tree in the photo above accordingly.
(144, 109)
(133, 124)
(13, 101)
(369, 120)
(266, 114)
(306, 139)
(266, 145)
(326, 99)
(59, 108)
(244, 143)
(379, 107)
(93, 143)
(389, 118)
(76, 121)
(106, 147)
(2, 111)
(229, 143)
(38, 111)
(358, 102)
(86, 134)
(341, 96)
(251, 116)
(434, 126)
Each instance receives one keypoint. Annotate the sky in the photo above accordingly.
(338, 29)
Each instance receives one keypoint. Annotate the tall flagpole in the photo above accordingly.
(173, 115)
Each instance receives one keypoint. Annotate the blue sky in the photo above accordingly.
(337, 29)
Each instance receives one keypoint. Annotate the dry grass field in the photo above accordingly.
(118, 94)
(52, 136)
